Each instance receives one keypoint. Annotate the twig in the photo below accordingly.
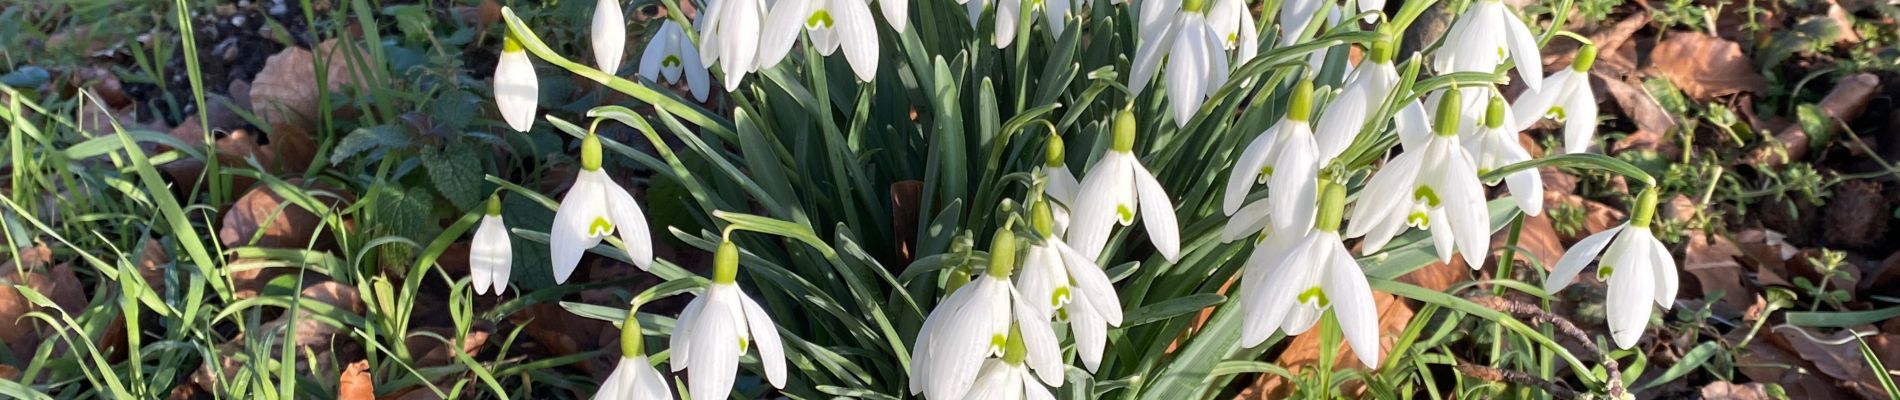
(1537, 315)
(1556, 390)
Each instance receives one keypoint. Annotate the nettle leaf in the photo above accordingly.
(404, 213)
(375, 141)
(452, 168)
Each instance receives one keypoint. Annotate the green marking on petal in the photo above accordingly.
(1314, 295)
(671, 60)
(600, 227)
(1604, 271)
(1418, 219)
(819, 19)
(997, 342)
(1124, 212)
(1059, 296)
(1266, 171)
(1556, 113)
(742, 343)
(1426, 193)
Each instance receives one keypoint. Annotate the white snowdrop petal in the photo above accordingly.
(1045, 353)
(953, 342)
(1414, 126)
(1342, 119)
(1056, 14)
(569, 238)
(656, 51)
(1038, 277)
(996, 381)
(1294, 185)
(765, 337)
(1580, 121)
(1031, 389)
(1578, 256)
(1534, 104)
(1062, 184)
(858, 36)
(1093, 216)
(1345, 286)
(680, 342)
(1155, 44)
(609, 35)
(1007, 12)
(1444, 239)
(715, 362)
(739, 44)
(1187, 72)
(491, 257)
(1091, 332)
(1284, 277)
(1664, 266)
(1386, 193)
(1527, 186)
(630, 222)
(781, 30)
(1093, 282)
(517, 91)
(1251, 219)
(1627, 304)
(698, 79)
(1530, 64)
(649, 383)
(896, 13)
(1465, 206)
(1247, 169)
(1157, 211)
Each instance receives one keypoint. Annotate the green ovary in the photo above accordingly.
(819, 19)
(600, 227)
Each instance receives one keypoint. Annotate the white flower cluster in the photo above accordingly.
(995, 336)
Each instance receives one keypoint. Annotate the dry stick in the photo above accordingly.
(1481, 372)
(1537, 315)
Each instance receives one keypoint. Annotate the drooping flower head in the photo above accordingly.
(716, 328)
(1061, 185)
(594, 208)
(634, 377)
(1294, 277)
(609, 35)
(1064, 284)
(670, 55)
(1285, 158)
(1433, 186)
(729, 35)
(1118, 186)
(490, 256)
(1365, 93)
(517, 92)
(1486, 35)
(1056, 12)
(974, 324)
(1637, 267)
(1195, 39)
(1566, 98)
(1495, 145)
(831, 24)
(1008, 377)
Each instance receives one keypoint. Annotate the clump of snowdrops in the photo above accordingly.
(1017, 199)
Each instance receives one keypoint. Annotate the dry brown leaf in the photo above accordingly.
(1538, 243)
(286, 92)
(1303, 352)
(58, 283)
(904, 202)
(433, 352)
(356, 384)
(262, 218)
(1608, 39)
(1837, 355)
(1733, 391)
(1652, 122)
(561, 332)
(1705, 66)
(1711, 260)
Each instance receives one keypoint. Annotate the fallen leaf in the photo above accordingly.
(431, 351)
(1768, 360)
(57, 283)
(1705, 66)
(262, 218)
(1608, 39)
(1836, 355)
(1652, 122)
(286, 91)
(1303, 352)
(356, 384)
(1733, 391)
(1711, 260)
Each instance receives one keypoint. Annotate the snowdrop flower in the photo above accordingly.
(1006, 378)
(634, 378)
(1483, 36)
(1233, 24)
(1251, 219)
(594, 208)
(1294, 170)
(490, 257)
(517, 92)
(830, 24)
(715, 329)
(1118, 186)
(609, 35)
(1637, 267)
(974, 323)
(1365, 92)
(1061, 185)
(1567, 99)
(1435, 187)
(1290, 281)
(1061, 282)
(1495, 145)
(1056, 12)
(896, 12)
(1197, 59)
(671, 54)
(729, 35)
